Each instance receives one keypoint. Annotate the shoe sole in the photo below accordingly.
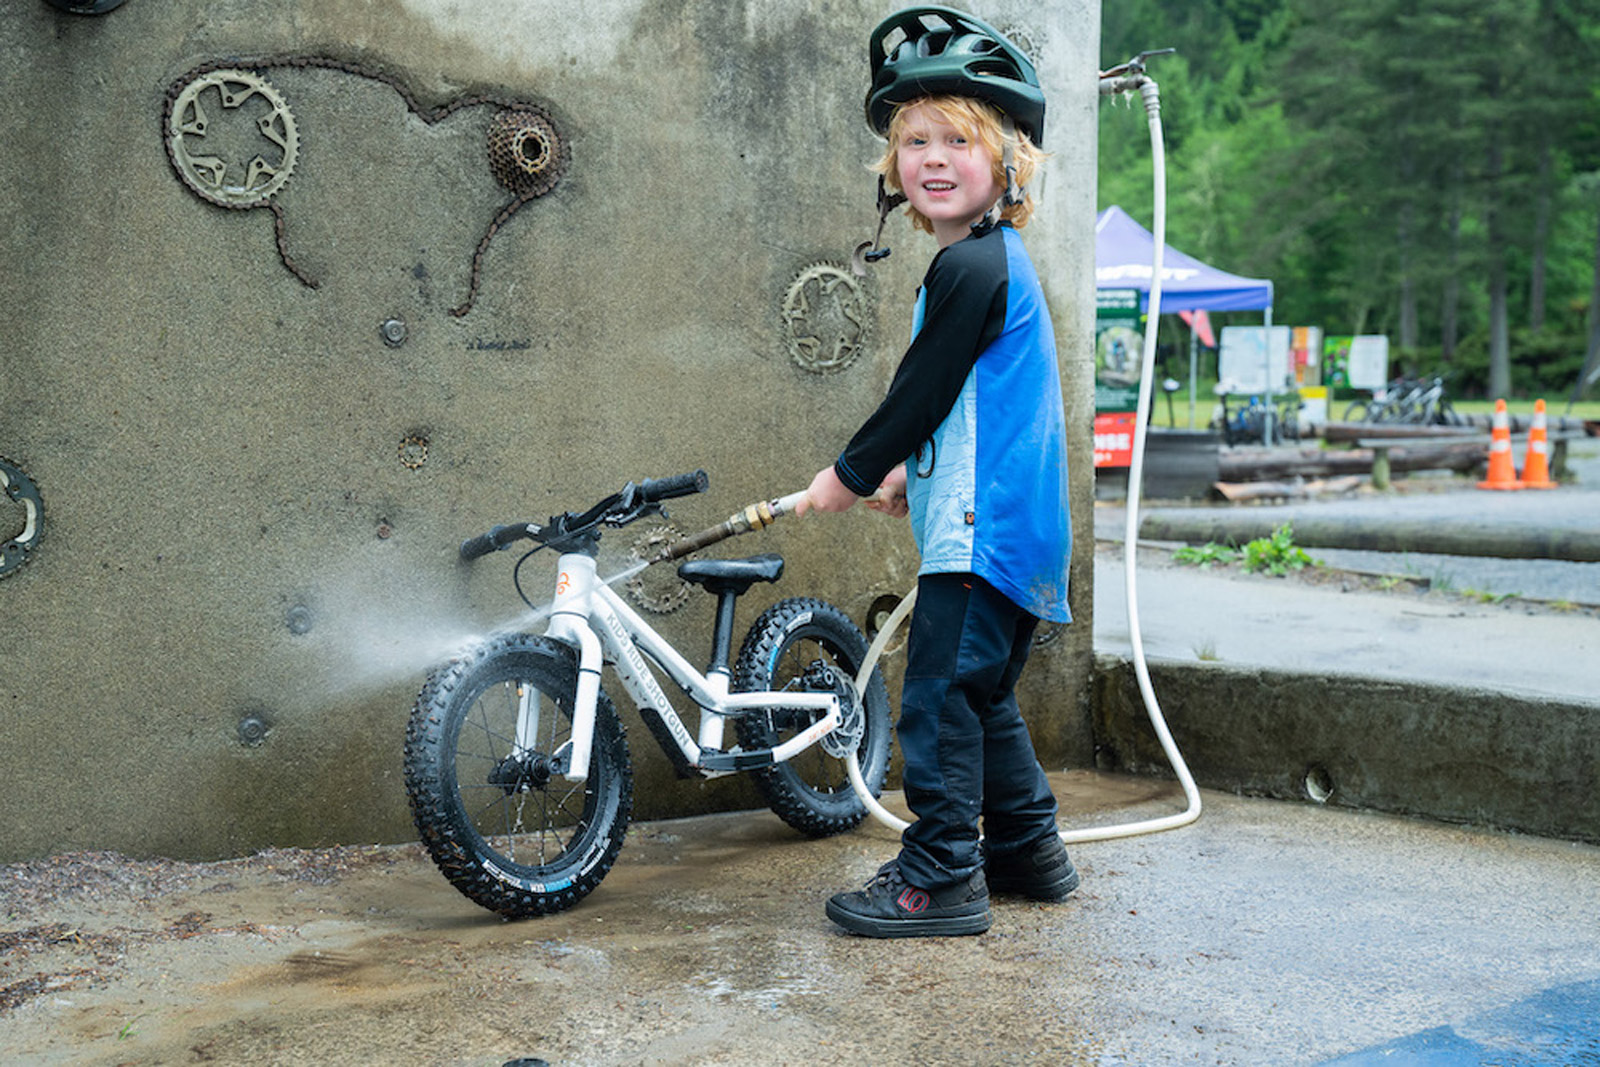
(935, 926)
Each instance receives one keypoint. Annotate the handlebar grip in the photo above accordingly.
(655, 489)
(493, 541)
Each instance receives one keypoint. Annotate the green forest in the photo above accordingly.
(1424, 169)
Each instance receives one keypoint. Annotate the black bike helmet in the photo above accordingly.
(927, 51)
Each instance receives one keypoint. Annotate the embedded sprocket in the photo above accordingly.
(17, 549)
(657, 589)
(232, 138)
(825, 318)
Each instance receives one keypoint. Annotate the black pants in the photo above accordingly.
(967, 751)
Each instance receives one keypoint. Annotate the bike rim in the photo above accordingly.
(530, 819)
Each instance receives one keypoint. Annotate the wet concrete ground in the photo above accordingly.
(1265, 933)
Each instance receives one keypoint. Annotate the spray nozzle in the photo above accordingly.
(757, 516)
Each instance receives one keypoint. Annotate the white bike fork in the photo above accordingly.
(569, 623)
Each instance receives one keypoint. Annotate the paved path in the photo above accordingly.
(1224, 615)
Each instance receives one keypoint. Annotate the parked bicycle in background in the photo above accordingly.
(1406, 400)
(1248, 422)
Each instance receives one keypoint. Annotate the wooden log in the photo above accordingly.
(1255, 464)
(1340, 432)
(1237, 491)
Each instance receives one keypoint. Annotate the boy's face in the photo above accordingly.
(945, 176)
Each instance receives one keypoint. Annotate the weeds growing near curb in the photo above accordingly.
(1276, 555)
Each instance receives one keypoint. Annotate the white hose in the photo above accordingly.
(1152, 103)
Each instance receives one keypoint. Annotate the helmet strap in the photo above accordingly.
(872, 251)
(1014, 194)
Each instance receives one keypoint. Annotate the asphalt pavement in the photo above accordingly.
(1266, 933)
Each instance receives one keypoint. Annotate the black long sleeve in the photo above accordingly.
(963, 300)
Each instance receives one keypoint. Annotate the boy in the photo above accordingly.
(970, 443)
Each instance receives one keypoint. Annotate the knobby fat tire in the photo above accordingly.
(451, 702)
(812, 791)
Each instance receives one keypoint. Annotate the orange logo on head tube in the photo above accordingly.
(562, 581)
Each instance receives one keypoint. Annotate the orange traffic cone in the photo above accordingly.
(1502, 473)
(1536, 465)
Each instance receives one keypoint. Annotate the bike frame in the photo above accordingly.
(589, 616)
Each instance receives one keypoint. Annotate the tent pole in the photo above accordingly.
(1194, 373)
(1267, 427)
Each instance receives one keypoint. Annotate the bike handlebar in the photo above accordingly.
(618, 509)
(657, 489)
(493, 541)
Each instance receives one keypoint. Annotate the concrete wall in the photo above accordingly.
(252, 501)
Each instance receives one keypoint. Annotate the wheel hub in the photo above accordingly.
(521, 774)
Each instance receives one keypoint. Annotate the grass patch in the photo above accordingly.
(1278, 554)
(1206, 555)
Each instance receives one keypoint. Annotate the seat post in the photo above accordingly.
(722, 632)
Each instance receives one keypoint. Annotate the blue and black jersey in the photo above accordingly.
(974, 411)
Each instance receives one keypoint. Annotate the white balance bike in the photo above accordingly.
(516, 764)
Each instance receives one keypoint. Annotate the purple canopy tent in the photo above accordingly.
(1123, 251)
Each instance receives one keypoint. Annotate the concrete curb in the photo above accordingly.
(1505, 539)
(1454, 754)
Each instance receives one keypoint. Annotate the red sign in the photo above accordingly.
(1113, 439)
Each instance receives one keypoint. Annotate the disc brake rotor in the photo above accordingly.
(846, 737)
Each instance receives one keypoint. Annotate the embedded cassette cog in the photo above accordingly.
(527, 154)
(232, 138)
(18, 487)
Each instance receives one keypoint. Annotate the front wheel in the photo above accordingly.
(805, 645)
(484, 751)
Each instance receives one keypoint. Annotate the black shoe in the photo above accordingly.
(1040, 872)
(891, 907)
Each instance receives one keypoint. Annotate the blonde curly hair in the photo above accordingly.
(979, 123)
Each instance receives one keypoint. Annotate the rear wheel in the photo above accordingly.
(500, 820)
(805, 645)
(1360, 411)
